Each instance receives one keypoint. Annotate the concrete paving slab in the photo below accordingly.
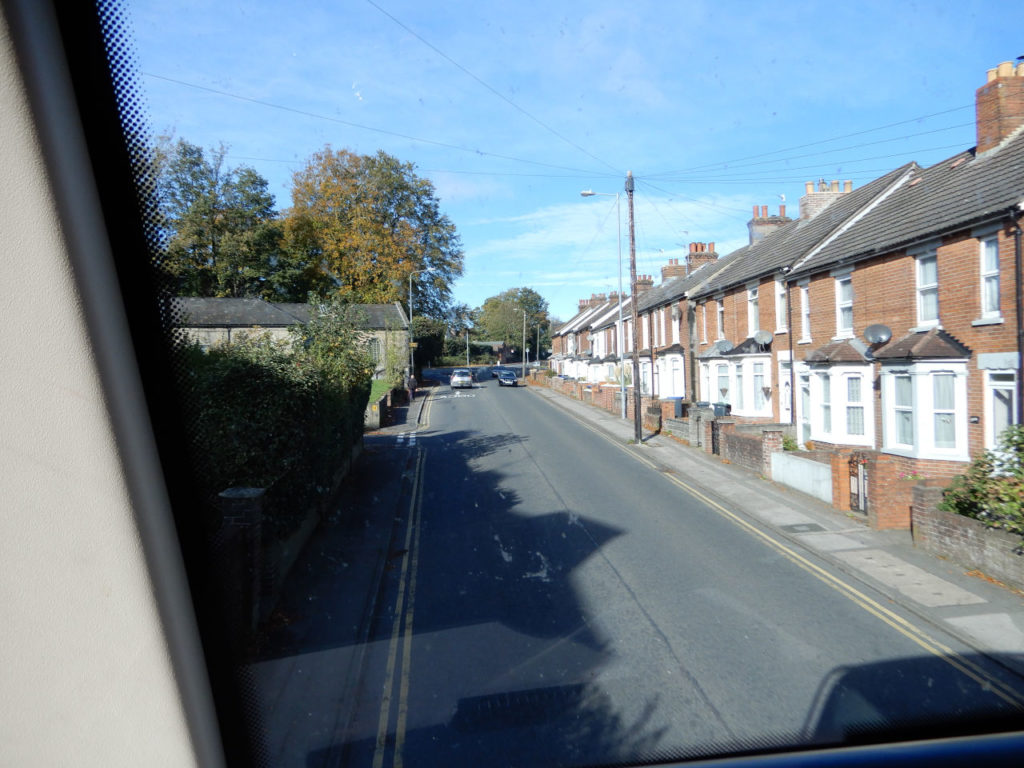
(911, 581)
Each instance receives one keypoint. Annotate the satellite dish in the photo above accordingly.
(763, 337)
(877, 333)
(724, 345)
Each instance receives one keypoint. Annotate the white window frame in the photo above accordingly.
(645, 328)
(987, 275)
(723, 372)
(837, 377)
(781, 306)
(742, 375)
(753, 309)
(704, 322)
(720, 317)
(844, 277)
(849, 404)
(805, 311)
(921, 289)
(991, 387)
(922, 377)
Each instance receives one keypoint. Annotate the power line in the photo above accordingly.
(384, 131)
(820, 141)
(494, 91)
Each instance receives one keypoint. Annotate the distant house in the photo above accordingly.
(221, 321)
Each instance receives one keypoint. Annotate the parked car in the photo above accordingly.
(461, 377)
(507, 378)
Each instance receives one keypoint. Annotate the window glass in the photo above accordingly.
(944, 403)
(927, 289)
(990, 277)
(511, 618)
(722, 395)
(904, 392)
(759, 398)
(854, 409)
(826, 403)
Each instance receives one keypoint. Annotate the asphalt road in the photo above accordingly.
(547, 598)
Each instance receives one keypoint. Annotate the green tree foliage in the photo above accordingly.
(992, 489)
(368, 223)
(223, 235)
(501, 319)
(281, 415)
(429, 334)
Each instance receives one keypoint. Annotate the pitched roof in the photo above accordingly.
(201, 312)
(935, 343)
(789, 243)
(956, 193)
(844, 351)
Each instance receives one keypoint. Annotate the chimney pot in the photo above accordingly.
(782, 211)
(711, 246)
(755, 211)
(764, 211)
(1005, 69)
(835, 185)
(848, 186)
(808, 187)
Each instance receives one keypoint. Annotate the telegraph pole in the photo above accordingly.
(638, 433)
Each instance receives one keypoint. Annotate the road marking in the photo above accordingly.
(409, 560)
(906, 628)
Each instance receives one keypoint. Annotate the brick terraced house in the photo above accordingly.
(882, 325)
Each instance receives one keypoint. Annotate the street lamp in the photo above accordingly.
(524, 346)
(414, 272)
(622, 360)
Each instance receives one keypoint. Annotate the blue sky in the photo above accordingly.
(512, 108)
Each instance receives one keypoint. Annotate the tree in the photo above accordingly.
(428, 333)
(223, 236)
(501, 317)
(368, 223)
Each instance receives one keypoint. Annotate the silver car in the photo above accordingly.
(461, 377)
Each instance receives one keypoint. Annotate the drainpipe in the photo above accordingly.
(792, 361)
(1019, 389)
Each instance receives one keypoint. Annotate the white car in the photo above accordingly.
(461, 377)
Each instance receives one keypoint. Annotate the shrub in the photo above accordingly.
(992, 489)
(279, 415)
(789, 443)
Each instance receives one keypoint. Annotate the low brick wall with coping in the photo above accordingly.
(964, 540)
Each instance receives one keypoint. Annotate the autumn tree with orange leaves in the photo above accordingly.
(368, 223)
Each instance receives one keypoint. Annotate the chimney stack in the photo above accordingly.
(815, 201)
(643, 283)
(762, 225)
(999, 105)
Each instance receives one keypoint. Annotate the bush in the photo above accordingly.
(279, 415)
(992, 489)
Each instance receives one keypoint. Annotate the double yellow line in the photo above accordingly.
(400, 645)
(876, 609)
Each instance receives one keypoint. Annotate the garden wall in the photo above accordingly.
(964, 540)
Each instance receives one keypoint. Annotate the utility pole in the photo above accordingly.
(524, 346)
(638, 433)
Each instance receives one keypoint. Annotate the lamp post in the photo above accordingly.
(619, 340)
(524, 346)
(411, 364)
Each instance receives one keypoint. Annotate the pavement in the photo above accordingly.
(981, 613)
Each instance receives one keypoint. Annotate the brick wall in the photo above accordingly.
(964, 540)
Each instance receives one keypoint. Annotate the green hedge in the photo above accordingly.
(992, 489)
(281, 416)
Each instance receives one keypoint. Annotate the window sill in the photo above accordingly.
(912, 453)
(804, 341)
(988, 321)
(926, 327)
(844, 336)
